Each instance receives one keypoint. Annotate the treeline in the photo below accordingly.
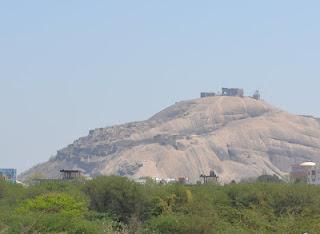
(118, 205)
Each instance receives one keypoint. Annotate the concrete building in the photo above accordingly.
(70, 174)
(211, 178)
(233, 92)
(314, 175)
(300, 172)
(257, 95)
(206, 94)
(8, 174)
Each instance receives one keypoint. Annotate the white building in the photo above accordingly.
(314, 175)
(300, 172)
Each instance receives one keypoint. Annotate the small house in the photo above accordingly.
(70, 174)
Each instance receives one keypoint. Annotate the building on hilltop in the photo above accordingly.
(233, 92)
(256, 95)
(207, 94)
(8, 174)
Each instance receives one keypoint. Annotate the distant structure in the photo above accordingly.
(206, 94)
(70, 174)
(211, 178)
(179, 180)
(183, 180)
(314, 175)
(300, 172)
(230, 92)
(142, 180)
(307, 172)
(233, 92)
(256, 95)
(64, 175)
(8, 174)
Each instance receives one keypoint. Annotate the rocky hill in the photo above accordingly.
(237, 137)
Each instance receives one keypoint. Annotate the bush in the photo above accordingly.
(116, 195)
(181, 224)
(2, 188)
(59, 203)
(118, 205)
(269, 179)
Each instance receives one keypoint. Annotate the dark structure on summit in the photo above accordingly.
(206, 94)
(257, 95)
(233, 92)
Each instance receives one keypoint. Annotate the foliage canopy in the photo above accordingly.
(119, 205)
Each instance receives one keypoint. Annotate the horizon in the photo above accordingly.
(69, 67)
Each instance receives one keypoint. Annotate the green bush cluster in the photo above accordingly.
(119, 205)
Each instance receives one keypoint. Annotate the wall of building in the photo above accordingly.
(233, 92)
(314, 175)
(206, 94)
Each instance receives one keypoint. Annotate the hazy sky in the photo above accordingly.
(70, 66)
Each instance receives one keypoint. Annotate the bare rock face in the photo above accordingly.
(237, 137)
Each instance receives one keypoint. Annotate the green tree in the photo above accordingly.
(55, 203)
(118, 196)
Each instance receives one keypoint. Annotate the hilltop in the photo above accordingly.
(238, 137)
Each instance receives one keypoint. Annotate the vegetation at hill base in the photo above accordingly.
(119, 205)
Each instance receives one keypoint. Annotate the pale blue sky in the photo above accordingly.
(70, 66)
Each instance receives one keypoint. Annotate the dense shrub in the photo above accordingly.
(269, 179)
(118, 205)
(116, 195)
(54, 203)
(2, 188)
(179, 224)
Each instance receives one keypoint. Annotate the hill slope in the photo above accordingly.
(237, 137)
